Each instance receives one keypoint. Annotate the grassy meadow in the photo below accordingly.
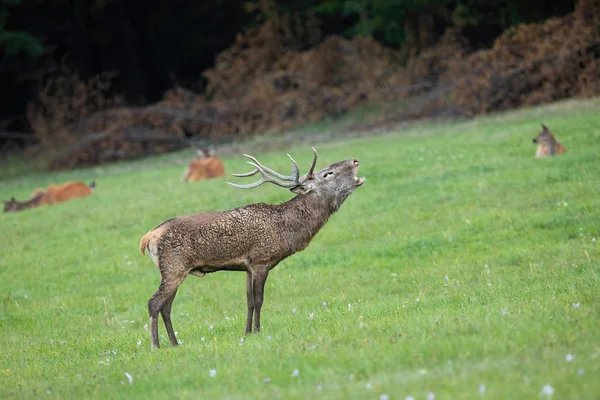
(464, 268)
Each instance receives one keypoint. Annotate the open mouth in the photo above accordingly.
(359, 181)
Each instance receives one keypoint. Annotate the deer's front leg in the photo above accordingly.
(259, 278)
(250, 301)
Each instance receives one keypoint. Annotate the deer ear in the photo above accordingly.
(544, 127)
(304, 188)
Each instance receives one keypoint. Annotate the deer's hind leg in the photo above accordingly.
(166, 315)
(161, 302)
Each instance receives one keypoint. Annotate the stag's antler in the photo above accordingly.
(269, 175)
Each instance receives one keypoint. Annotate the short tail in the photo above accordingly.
(92, 185)
(144, 244)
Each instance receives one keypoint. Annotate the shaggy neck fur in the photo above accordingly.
(303, 217)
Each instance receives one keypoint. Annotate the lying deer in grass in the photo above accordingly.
(54, 194)
(547, 144)
(253, 238)
(205, 166)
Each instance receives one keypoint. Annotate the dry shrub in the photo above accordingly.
(434, 61)
(531, 64)
(270, 84)
(265, 80)
(62, 102)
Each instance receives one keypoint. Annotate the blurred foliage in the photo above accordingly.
(153, 46)
(16, 42)
(385, 19)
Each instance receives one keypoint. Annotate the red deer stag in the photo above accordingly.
(253, 238)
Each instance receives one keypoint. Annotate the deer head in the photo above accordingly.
(10, 205)
(202, 154)
(544, 136)
(332, 184)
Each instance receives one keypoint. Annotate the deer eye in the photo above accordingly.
(326, 174)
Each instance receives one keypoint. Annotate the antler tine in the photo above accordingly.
(264, 178)
(295, 170)
(253, 172)
(314, 163)
(292, 178)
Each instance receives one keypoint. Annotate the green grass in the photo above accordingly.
(457, 264)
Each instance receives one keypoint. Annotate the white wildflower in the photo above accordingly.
(311, 315)
(319, 387)
(569, 357)
(384, 396)
(547, 390)
(368, 385)
(430, 396)
(576, 305)
(324, 304)
(349, 306)
(212, 373)
(129, 377)
(139, 342)
(580, 371)
(295, 373)
(293, 311)
(481, 388)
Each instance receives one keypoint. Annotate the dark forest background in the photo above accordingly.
(125, 55)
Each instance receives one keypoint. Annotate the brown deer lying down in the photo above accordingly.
(54, 194)
(206, 166)
(547, 144)
(253, 238)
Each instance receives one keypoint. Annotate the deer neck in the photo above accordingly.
(303, 217)
(24, 205)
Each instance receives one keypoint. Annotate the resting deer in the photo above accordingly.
(54, 194)
(547, 144)
(205, 166)
(253, 238)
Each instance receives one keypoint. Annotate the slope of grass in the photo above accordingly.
(463, 267)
